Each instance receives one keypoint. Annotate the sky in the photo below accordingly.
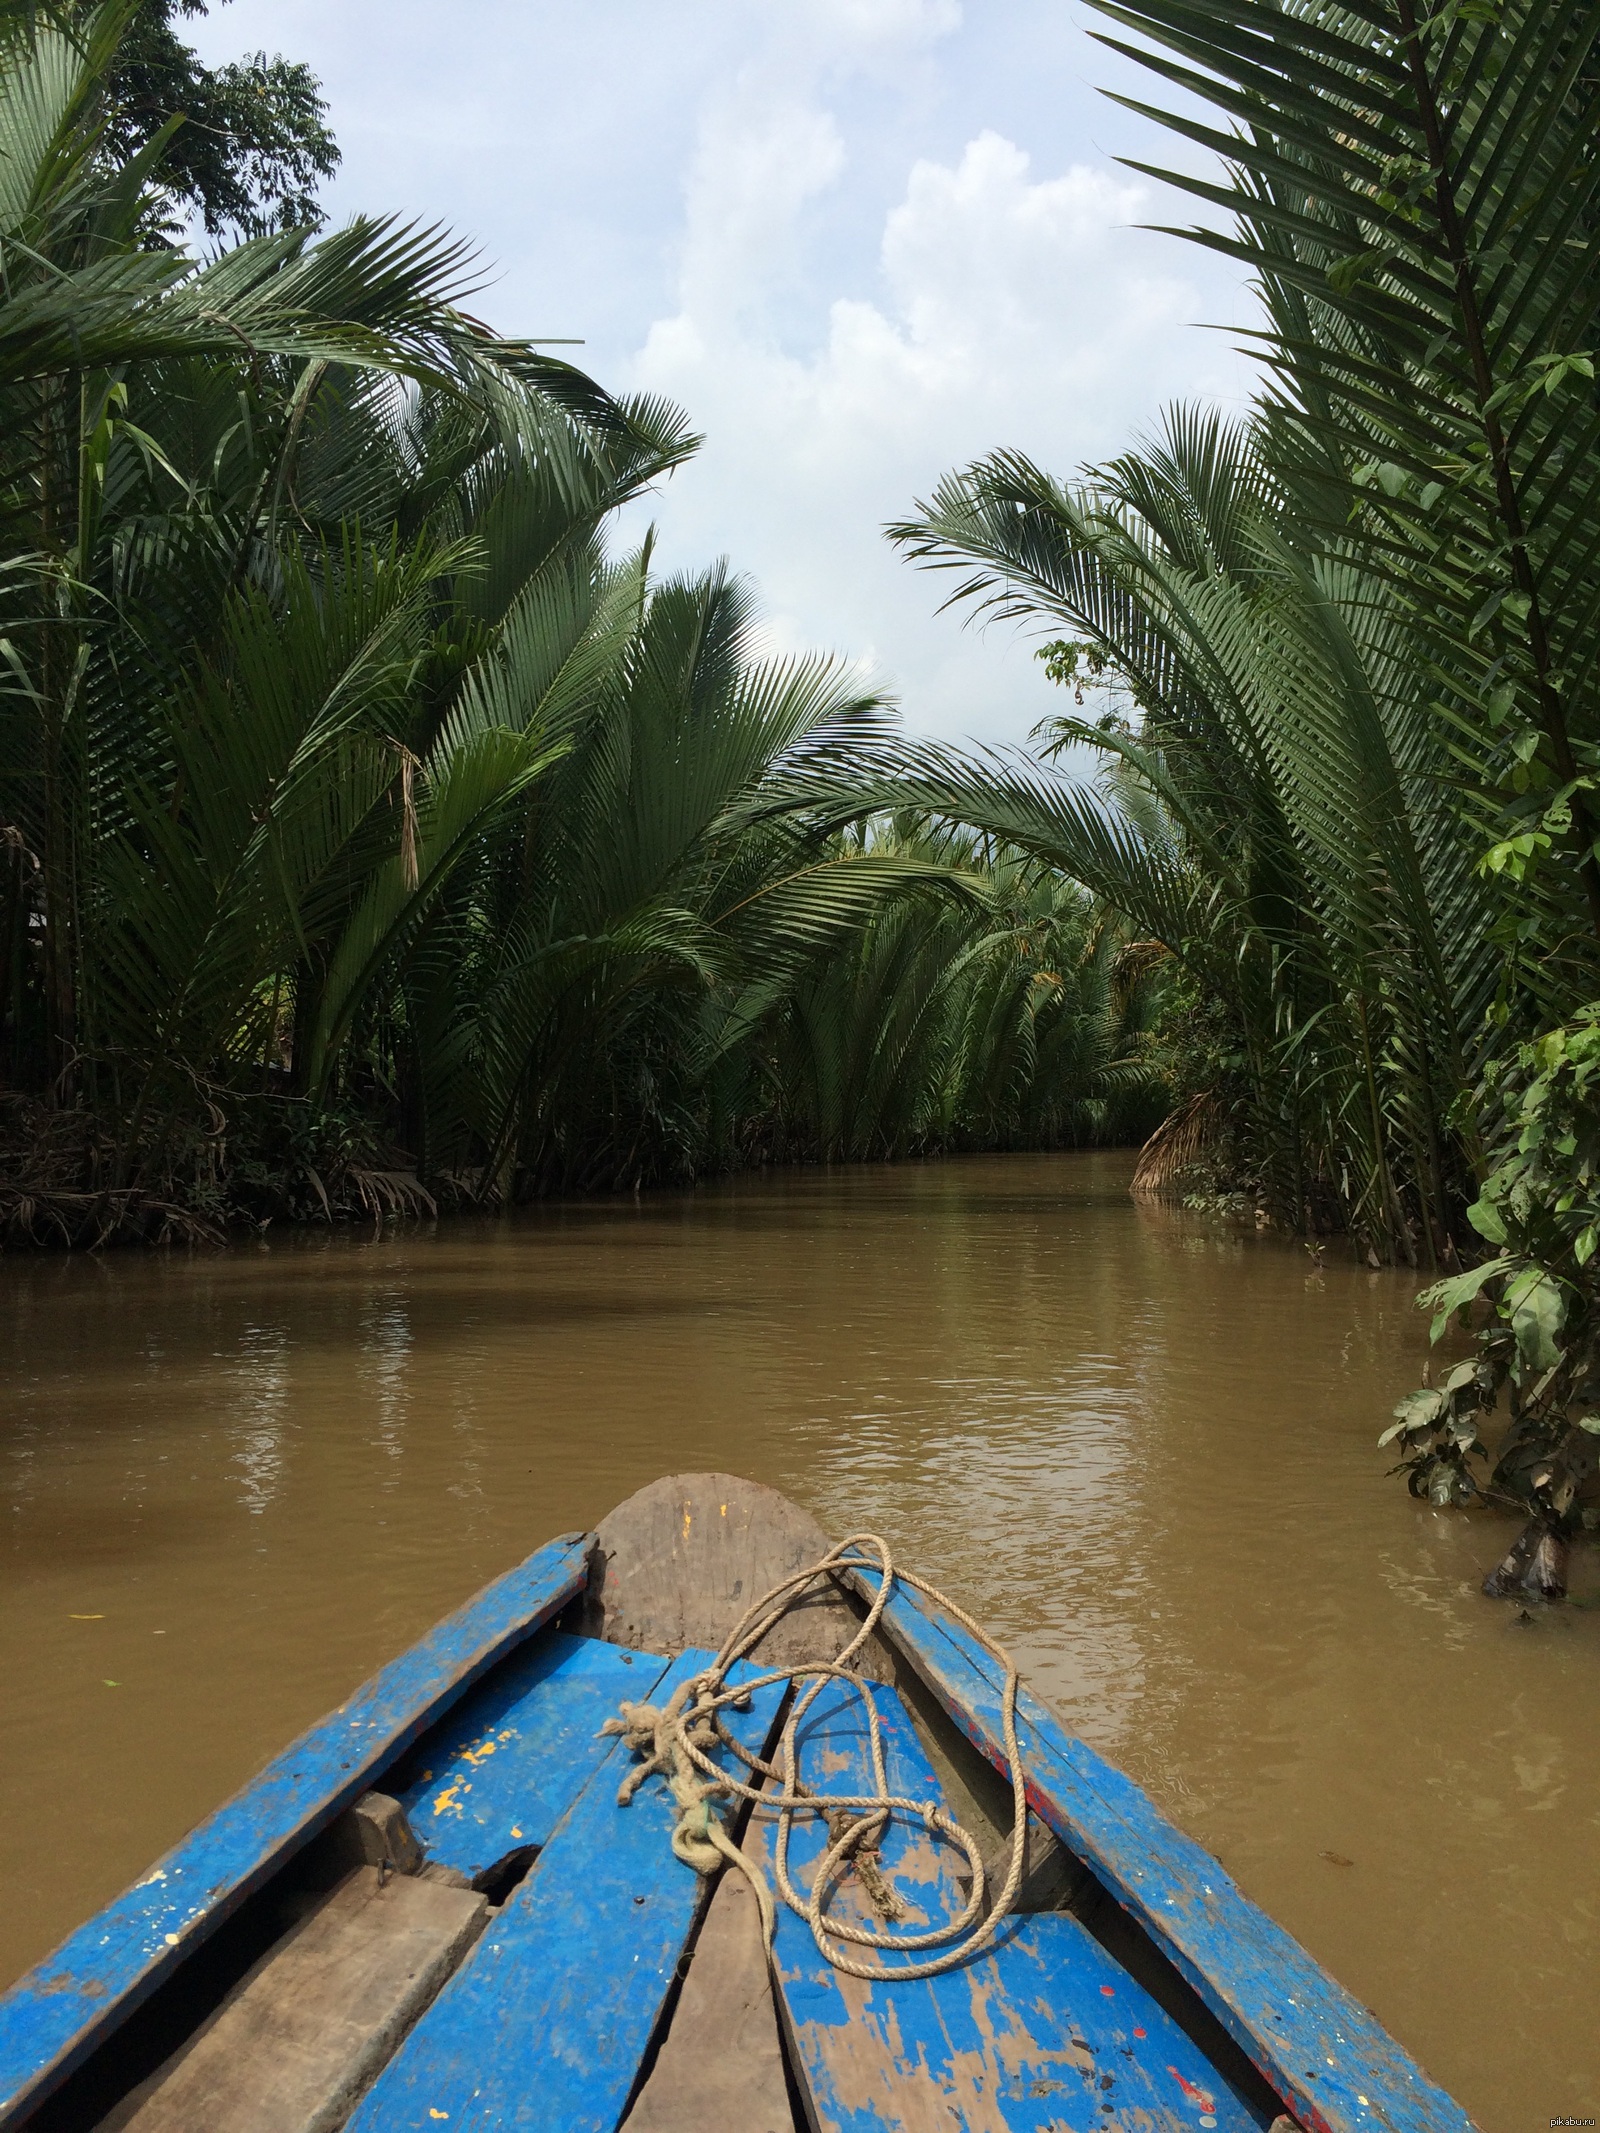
(862, 242)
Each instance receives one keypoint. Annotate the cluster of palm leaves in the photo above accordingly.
(364, 816)
(1031, 1019)
(1352, 715)
(1272, 810)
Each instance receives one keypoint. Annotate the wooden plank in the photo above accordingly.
(721, 2065)
(679, 1562)
(52, 2018)
(1335, 2066)
(295, 2045)
(515, 1753)
(546, 2025)
(1044, 2033)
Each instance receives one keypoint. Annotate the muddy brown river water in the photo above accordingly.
(1140, 1445)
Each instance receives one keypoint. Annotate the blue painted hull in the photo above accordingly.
(488, 1733)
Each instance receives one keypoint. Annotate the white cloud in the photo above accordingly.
(1010, 309)
(746, 190)
(814, 222)
(893, 20)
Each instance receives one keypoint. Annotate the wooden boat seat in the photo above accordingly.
(294, 2046)
(301, 2038)
(54, 2020)
(1043, 2034)
(547, 2023)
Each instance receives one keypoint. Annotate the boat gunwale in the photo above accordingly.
(1403, 2098)
(270, 1819)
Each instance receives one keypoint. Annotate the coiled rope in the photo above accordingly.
(677, 1739)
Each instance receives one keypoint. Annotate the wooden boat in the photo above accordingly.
(431, 1913)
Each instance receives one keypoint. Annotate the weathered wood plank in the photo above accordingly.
(679, 1562)
(546, 2025)
(55, 2015)
(1044, 2033)
(1337, 2069)
(515, 1753)
(720, 2069)
(292, 2049)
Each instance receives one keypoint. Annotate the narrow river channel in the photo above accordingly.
(1139, 1444)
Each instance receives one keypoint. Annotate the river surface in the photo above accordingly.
(1139, 1445)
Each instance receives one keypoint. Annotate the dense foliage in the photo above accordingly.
(370, 829)
(1540, 1211)
(1272, 812)
(242, 145)
(1354, 715)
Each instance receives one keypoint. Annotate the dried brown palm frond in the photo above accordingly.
(1133, 962)
(1179, 1143)
(87, 1220)
(388, 1193)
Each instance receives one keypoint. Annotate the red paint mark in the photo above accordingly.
(1106, 1989)
(1138, 2032)
(1194, 2095)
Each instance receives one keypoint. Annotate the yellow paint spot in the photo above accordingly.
(447, 1799)
(515, 1831)
(723, 1508)
(86, 1618)
(118, 1684)
(686, 1521)
(432, 2113)
(475, 1756)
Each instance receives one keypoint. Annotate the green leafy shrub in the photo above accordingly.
(1540, 1342)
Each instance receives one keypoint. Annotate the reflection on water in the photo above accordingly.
(1142, 1447)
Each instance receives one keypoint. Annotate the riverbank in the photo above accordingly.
(70, 1180)
(1140, 1443)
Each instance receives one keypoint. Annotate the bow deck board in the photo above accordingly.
(1044, 2033)
(510, 1759)
(55, 2016)
(546, 2025)
(1335, 2066)
(720, 2069)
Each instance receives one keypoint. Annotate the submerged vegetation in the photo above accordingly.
(373, 830)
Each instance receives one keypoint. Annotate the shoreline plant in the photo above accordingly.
(1359, 798)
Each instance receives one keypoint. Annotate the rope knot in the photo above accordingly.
(679, 1739)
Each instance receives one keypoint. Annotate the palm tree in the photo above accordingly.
(1013, 1019)
(167, 429)
(1413, 185)
(355, 798)
(1277, 817)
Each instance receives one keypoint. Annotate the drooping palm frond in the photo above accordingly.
(1414, 185)
(1280, 817)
